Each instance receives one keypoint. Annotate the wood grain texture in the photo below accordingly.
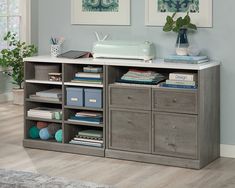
(175, 135)
(179, 101)
(122, 174)
(209, 114)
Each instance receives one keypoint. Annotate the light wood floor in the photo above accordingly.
(124, 174)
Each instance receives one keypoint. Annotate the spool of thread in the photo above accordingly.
(59, 135)
(41, 125)
(34, 132)
(44, 134)
(53, 128)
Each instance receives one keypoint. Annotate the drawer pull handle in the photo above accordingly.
(129, 122)
(173, 145)
(173, 127)
(129, 97)
(174, 100)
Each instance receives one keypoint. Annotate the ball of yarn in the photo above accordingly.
(59, 135)
(44, 134)
(41, 125)
(53, 128)
(34, 132)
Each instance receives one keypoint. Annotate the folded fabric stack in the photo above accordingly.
(54, 95)
(87, 117)
(141, 77)
(45, 113)
(90, 75)
(88, 138)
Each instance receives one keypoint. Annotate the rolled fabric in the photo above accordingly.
(44, 134)
(53, 128)
(41, 125)
(59, 135)
(34, 132)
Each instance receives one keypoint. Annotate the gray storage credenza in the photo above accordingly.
(178, 127)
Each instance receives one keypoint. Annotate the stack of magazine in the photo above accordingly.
(90, 75)
(181, 80)
(54, 95)
(87, 117)
(43, 112)
(88, 138)
(186, 59)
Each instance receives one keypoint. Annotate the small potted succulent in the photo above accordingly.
(11, 60)
(181, 26)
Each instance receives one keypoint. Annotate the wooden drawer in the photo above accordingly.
(175, 135)
(130, 97)
(171, 100)
(130, 130)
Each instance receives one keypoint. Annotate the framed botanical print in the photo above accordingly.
(100, 12)
(200, 11)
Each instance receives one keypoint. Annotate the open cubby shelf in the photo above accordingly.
(70, 128)
(146, 123)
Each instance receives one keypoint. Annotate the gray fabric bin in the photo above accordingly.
(93, 98)
(42, 71)
(75, 96)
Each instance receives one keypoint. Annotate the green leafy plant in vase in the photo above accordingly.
(180, 25)
(11, 60)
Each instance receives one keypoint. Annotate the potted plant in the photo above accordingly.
(11, 59)
(181, 26)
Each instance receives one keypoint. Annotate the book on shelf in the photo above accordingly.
(177, 86)
(89, 140)
(43, 112)
(87, 82)
(85, 121)
(78, 142)
(88, 75)
(91, 69)
(179, 76)
(52, 99)
(186, 59)
(52, 93)
(177, 82)
(91, 133)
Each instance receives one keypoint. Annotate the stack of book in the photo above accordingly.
(186, 59)
(43, 112)
(90, 75)
(54, 95)
(136, 76)
(89, 138)
(181, 80)
(87, 117)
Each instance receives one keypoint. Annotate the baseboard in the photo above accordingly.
(5, 97)
(227, 151)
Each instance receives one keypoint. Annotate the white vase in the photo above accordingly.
(18, 96)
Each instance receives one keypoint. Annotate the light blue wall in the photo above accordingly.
(218, 42)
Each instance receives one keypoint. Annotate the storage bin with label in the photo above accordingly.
(93, 98)
(42, 71)
(75, 96)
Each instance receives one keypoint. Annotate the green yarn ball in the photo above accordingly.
(59, 135)
(34, 132)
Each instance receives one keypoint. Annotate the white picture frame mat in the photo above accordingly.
(201, 19)
(122, 17)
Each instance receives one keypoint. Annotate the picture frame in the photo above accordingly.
(202, 18)
(86, 14)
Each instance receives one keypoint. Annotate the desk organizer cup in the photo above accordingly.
(55, 50)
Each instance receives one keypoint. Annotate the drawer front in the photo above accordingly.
(132, 98)
(175, 101)
(130, 130)
(175, 135)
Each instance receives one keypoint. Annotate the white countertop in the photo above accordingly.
(157, 63)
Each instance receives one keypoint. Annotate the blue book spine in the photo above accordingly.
(178, 86)
(95, 79)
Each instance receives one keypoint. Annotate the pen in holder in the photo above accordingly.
(56, 45)
(55, 50)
